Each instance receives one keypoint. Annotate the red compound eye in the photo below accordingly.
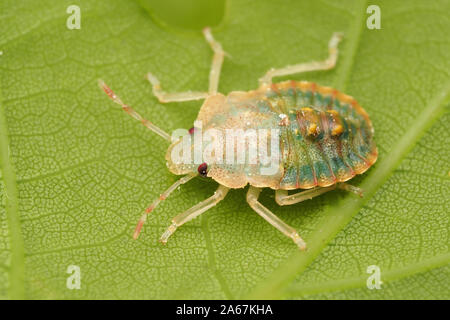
(191, 130)
(203, 169)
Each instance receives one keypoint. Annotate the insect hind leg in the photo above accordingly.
(283, 198)
(252, 199)
(327, 64)
(193, 212)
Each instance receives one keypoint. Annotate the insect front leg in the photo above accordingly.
(327, 64)
(252, 199)
(195, 211)
(283, 198)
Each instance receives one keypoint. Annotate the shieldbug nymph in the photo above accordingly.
(324, 139)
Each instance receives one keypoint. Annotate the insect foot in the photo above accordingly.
(350, 188)
(170, 230)
(299, 241)
(335, 39)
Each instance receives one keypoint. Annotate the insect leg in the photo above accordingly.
(217, 61)
(252, 199)
(165, 97)
(155, 203)
(327, 64)
(193, 212)
(350, 188)
(214, 75)
(283, 198)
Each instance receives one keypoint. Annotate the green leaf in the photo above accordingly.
(76, 172)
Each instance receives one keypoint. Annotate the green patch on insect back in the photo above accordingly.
(291, 92)
(363, 150)
(320, 136)
(306, 175)
(355, 159)
(322, 170)
(301, 99)
(308, 98)
(296, 132)
(338, 166)
(327, 101)
(340, 108)
(345, 132)
(289, 98)
(319, 101)
(364, 131)
(290, 177)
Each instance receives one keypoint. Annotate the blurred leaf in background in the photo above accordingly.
(185, 14)
(76, 172)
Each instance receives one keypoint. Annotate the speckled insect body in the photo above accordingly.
(325, 138)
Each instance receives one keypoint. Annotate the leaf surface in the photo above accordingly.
(76, 172)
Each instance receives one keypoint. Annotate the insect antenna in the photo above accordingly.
(132, 112)
(162, 197)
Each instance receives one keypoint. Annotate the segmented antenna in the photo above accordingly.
(132, 112)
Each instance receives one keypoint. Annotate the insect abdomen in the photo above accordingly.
(325, 136)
